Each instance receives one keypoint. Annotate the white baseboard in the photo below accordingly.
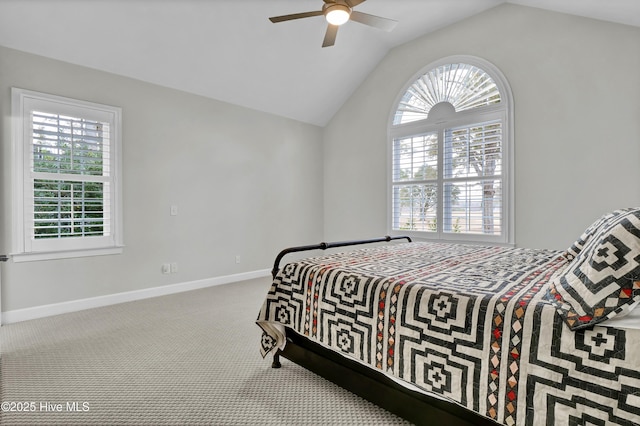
(129, 296)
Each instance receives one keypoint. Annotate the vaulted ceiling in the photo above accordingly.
(229, 50)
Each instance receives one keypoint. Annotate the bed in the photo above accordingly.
(466, 334)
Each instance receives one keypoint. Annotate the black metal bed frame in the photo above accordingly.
(324, 246)
(368, 383)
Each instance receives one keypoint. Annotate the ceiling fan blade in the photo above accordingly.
(354, 3)
(330, 35)
(282, 18)
(373, 21)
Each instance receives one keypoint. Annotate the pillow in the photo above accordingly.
(604, 278)
(579, 244)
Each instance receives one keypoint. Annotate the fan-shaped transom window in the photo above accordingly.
(451, 155)
(463, 86)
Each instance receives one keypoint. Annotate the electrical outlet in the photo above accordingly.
(174, 210)
(238, 258)
(174, 267)
(166, 268)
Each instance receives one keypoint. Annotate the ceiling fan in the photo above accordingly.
(338, 12)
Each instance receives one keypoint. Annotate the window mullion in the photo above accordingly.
(69, 177)
(440, 214)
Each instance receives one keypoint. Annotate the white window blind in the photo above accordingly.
(68, 199)
(71, 171)
(415, 182)
(472, 182)
(462, 85)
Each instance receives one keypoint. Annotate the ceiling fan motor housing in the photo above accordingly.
(336, 13)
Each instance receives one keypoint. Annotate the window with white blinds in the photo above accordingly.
(451, 155)
(472, 179)
(415, 182)
(68, 194)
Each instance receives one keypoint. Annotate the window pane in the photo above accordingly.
(415, 158)
(473, 151)
(462, 85)
(72, 145)
(414, 207)
(473, 207)
(68, 209)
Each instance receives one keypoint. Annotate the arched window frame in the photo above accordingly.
(440, 119)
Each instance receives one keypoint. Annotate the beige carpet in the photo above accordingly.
(186, 359)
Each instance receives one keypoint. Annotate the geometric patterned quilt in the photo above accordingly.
(466, 322)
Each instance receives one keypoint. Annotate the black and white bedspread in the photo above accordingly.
(469, 323)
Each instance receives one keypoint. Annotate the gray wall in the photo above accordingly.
(576, 92)
(246, 183)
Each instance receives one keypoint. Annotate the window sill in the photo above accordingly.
(38, 256)
(455, 239)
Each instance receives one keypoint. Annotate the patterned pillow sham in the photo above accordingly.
(575, 249)
(604, 278)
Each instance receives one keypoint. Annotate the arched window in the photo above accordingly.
(451, 154)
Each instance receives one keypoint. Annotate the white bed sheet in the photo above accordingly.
(631, 320)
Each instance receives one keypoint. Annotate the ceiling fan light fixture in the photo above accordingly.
(337, 14)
